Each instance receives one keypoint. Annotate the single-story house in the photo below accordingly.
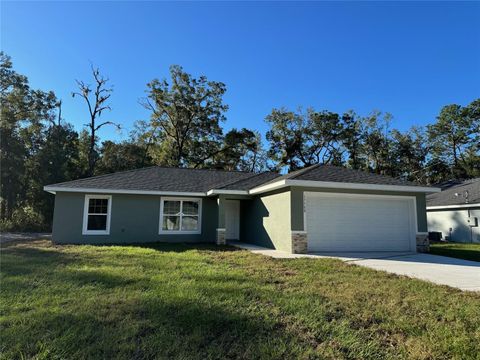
(316, 209)
(455, 211)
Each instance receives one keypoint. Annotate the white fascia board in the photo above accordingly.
(446, 207)
(340, 185)
(54, 189)
(226, 192)
(358, 186)
(273, 186)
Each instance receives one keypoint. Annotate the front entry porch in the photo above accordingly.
(229, 218)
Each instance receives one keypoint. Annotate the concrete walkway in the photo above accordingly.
(442, 270)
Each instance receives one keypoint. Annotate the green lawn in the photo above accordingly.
(187, 302)
(457, 250)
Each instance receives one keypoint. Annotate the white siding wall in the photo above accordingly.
(456, 220)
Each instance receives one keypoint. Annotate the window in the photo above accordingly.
(180, 216)
(96, 214)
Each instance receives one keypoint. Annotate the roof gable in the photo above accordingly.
(330, 173)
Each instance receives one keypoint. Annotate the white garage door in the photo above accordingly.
(351, 222)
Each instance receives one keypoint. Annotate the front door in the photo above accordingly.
(232, 219)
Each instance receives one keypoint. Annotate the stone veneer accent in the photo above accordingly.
(221, 237)
(299, 242)
(423, 243)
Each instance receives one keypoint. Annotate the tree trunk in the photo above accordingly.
(91, 153)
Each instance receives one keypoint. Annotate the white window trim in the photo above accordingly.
(85, 231)
(179, 232)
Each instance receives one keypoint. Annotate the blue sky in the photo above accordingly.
(406, 58)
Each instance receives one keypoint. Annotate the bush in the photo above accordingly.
(25, 218)
(6, 225)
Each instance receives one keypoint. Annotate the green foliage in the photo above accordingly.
(24, 113)
(450, 148)
(37, 147)
(454, 139)
(409, 154)
(352, 139)
(302, 139)
(36, 150)
(121, 156)
(25, 218)
(377, 144)
(186, 117)
(241, 150)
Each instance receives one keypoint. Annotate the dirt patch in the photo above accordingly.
(9, 237)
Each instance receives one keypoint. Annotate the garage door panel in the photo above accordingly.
(338, 222)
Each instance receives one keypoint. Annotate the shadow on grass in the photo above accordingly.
(140, 326)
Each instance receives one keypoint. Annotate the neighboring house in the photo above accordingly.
(319, 208)
(455, 212)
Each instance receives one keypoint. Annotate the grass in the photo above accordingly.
(207, 302)
(457, 250)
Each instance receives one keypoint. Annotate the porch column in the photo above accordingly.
(220, 240)
(297, 212)
(423, 243)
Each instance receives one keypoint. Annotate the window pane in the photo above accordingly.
(97, 206)
(171, 223)
(97, 222)
(190, 223)
(190, 207)
(171, 207)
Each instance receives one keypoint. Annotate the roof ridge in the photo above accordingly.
(249, 177)
(202, 169)
(303, 171)
(150, 167)
(109, 174)
(369, 172)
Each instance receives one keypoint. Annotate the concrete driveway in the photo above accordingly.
(461, 274)
(442, 270)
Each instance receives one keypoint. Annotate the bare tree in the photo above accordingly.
(96, 105)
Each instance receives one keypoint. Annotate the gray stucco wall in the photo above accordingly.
(135, 218)
(456, 219)
(297, 204)
(265, 220)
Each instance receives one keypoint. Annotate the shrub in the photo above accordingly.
(24, 218)
(6, 225)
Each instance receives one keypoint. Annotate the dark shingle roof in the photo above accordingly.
(340, 174)
(447, 195)
(251, 182)
(158, 178)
